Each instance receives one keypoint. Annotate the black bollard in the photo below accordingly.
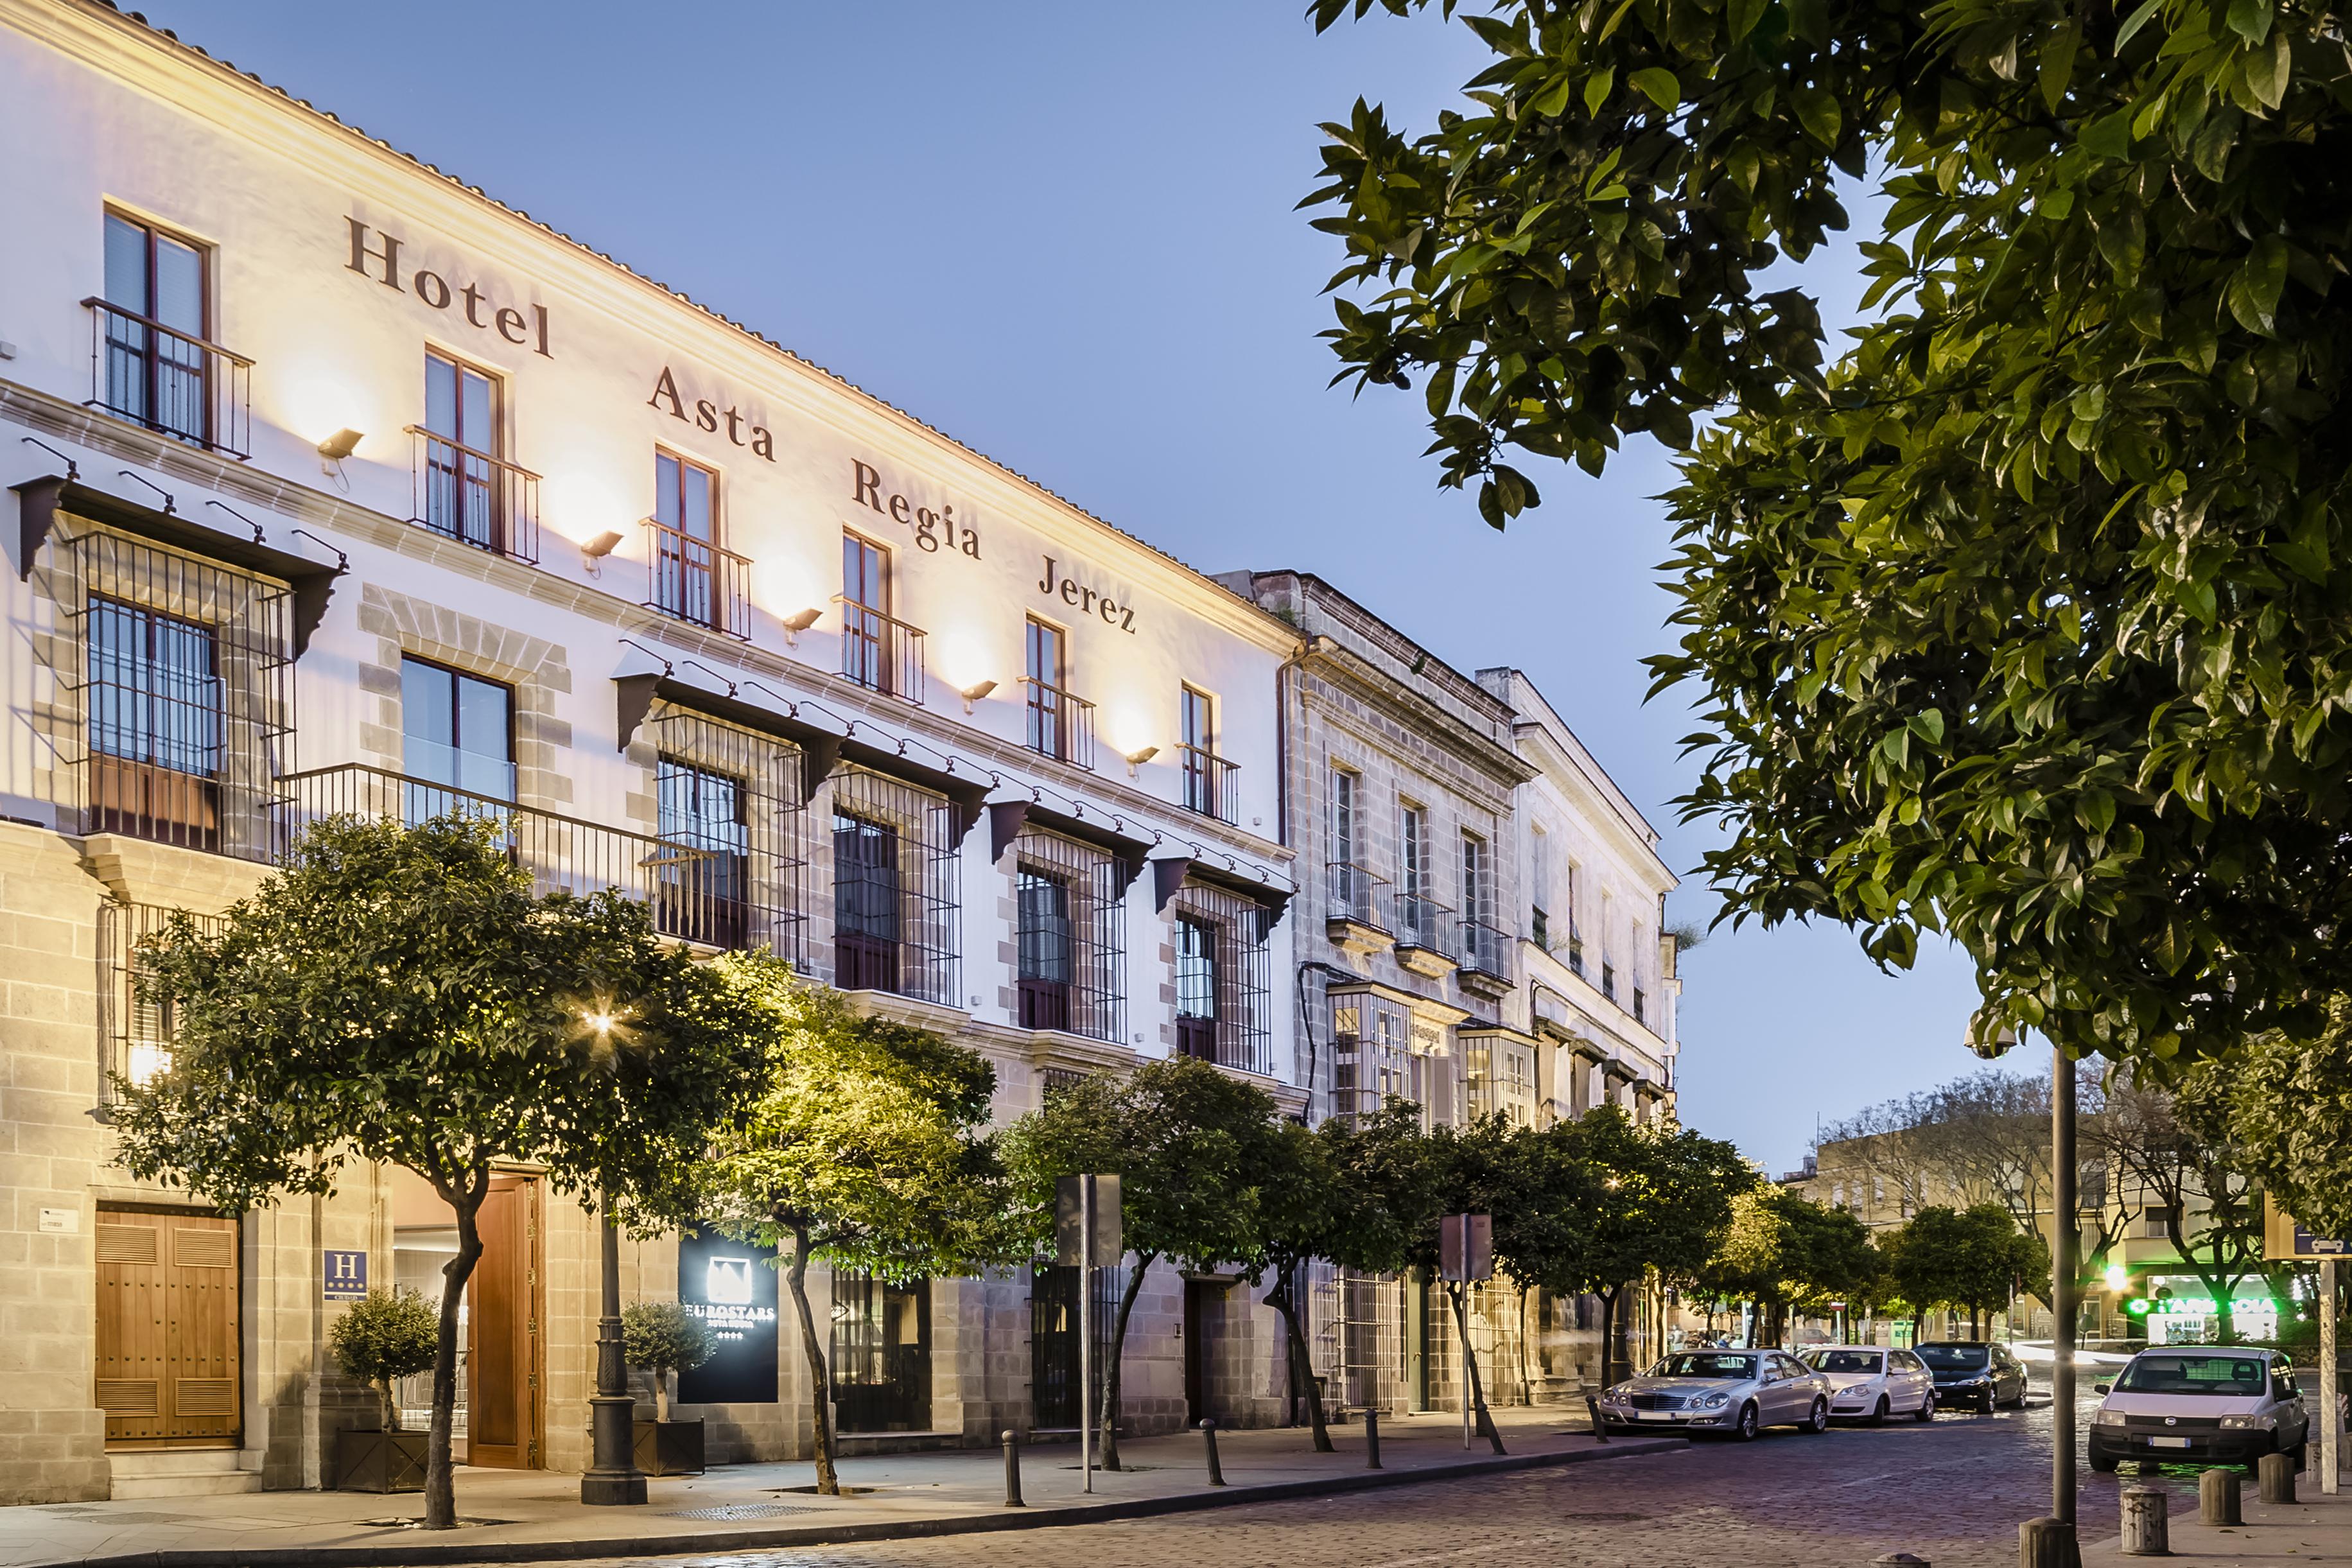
(1371, 1438)
(1013, 1471)
(1599, 1427)
(1216, 1471)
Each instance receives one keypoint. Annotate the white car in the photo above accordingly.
(1870, 1383)
(2222, 1404)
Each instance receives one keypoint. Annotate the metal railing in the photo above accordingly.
(1061, 723)
(1209, 786)
(1483, 950)
(1355, 894)
(1424, 923)
(169, 380)
(881, 652)
(711, 897)
(694, 580)
(473, 498)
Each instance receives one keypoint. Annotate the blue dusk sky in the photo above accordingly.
(1063, 233)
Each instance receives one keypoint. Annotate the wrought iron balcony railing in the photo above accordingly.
(1210, 787)
(1484, 948)
(168, 381)
(1355, 894)
(1061, 723)
(693, 580)
(881, 652)
(473, 498)
(1424, 923)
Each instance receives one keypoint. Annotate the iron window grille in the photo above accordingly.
(1224, 978)
(1374, 1065)
(1070, 936)
(881, 1354)
(730, 816)
(896, 888)
(186, 687)
(1498, 1077)
(1054, 1364)
(135, 1029)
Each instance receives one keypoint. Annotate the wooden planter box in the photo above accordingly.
(668, 1448)
(380, 1461)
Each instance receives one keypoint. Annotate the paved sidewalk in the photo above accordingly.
(2314, 1528)
(528, 1516)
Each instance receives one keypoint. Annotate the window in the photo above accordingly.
(1354, 889)
(1368, 1035)
(1060, 725)
(1418, 914)
(462, 445)
(865, 612)
(1575, 933)
(1608, 980)
(1539, 901)
(685, 540)
(865, 897)
(1070, 937)
(1208, 777)
(457, 730)
(1196, 987)
(1641, 1005)
(1045, 949)
(701, 893)
(157, 360)
(896, 887)
(1481, 945)
(155, 725)
(881, 1359)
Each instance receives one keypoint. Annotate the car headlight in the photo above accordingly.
(1715, 1402)
(2249, 1423)
(2109, 1418)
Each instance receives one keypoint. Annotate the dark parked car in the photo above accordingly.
(1967, 1373)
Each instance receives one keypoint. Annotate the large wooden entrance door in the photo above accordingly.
(167, 1330)
(503, 1353)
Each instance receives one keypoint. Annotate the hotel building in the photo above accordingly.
(340, 486)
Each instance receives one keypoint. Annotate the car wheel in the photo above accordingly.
(1818, 1419)
(1990, 1403)
(1878, 1415)
(2102, 1463)
(1927, 1411)
(1745, 1430)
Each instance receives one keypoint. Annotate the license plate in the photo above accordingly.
(1654, 1415)
(2168, 1442)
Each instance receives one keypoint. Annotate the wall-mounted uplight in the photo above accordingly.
(795, 624)
(594, 550)
(335, 448)
(974, 693)
(1137, 759)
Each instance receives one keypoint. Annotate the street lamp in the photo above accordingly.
(611, 1477)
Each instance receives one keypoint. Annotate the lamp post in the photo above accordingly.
(611, 1477)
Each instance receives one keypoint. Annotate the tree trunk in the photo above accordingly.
(828, 1482)
(1608, 1346)
(1916, 1314)
(661, 1395)
(1527, 1386)
(1109, 1445)
(1457, 1293)
(1295, 1337)
(440, 1474)
(389, 1406)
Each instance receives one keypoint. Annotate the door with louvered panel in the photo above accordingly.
(167, 1330)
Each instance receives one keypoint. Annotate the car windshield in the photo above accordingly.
(1953, 1358)
(1843, 1361)
(1705, 1363)
(2226, 1377)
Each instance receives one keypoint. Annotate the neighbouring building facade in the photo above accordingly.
(340, 486)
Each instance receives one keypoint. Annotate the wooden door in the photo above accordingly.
(502, 1418)
(1204, 1313)
(167, 1330)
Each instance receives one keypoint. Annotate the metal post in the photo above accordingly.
(1012, 1469)
(1209, 1438)
(611, 1477)
(1371, 1438)
(1599, 1427)
(2331, 1425)
(1087, 1330)
(2064, 1266)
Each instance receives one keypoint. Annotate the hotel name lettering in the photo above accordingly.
(376, 254)
(941, 530)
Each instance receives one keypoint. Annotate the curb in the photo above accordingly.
(387, 1555)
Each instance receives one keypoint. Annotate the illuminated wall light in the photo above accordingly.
(799, 621)
(974, 692)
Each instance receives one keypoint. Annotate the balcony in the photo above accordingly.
(1485, 960)
(1353, 919)
(1425, 930)
(169, 382)
(1210, 787)
(695, 581)
(473, 498)
(1061, 723)
(881, 652)
(715, 898)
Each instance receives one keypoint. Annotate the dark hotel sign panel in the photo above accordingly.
(731, 1287)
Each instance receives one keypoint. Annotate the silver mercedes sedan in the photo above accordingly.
(1736, 1392)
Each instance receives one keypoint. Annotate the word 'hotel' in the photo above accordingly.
(340, 486)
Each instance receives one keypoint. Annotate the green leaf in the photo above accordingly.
(1743, 16)
(1817, 112)
(1597, 87)
(1657, 84)
(2253, 293)
(2056, 69)
(2251, 19)
(2135, 22)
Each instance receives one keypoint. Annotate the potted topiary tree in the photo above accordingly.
(390, 1335)
(663, 1336)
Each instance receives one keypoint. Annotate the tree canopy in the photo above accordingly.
(2286, 1107)
(2023, 619)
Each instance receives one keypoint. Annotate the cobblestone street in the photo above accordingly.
(1952, 1491)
